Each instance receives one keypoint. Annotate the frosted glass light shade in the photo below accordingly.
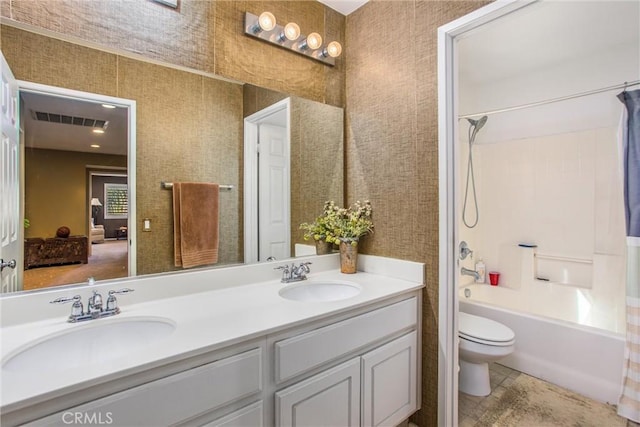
(292, 31)
(314, 40)
(267, 21)
(334, 49)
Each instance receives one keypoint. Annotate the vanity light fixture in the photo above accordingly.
(333, 49)
(313, 41)
(291, 32)
(265, 22)
(264, 27)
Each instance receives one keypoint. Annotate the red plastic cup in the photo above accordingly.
(494, 278)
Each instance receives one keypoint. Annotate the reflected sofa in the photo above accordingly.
(96, 233)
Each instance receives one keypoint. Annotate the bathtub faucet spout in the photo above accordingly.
(467, 272)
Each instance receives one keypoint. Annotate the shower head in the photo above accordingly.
(477, 124)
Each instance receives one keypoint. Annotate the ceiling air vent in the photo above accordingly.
(68, 120)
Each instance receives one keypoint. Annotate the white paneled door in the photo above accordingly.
(273, 193)
(10, 243)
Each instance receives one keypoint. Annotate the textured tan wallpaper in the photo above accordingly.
(392, 146)
(189, 128)
(317, 153)
(317, 150)
(56, 189)
(205, 35)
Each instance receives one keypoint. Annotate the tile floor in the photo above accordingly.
(471, 408)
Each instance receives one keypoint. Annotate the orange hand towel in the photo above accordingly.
(195, 223)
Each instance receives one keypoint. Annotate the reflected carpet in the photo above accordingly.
(108, 260)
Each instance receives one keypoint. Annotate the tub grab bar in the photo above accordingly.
(564, 258)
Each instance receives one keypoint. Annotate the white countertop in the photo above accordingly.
(204, 321)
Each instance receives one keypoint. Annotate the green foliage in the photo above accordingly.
(338, 224)
(317, 230)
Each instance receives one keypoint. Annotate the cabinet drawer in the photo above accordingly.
(301, 353)
(249, 416)
(174, 398)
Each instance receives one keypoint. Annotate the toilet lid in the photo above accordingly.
(484, 331)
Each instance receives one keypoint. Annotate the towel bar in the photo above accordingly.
(169, 186)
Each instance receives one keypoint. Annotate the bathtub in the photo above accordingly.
(568, 336)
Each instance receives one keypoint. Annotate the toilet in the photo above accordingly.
(481, 341)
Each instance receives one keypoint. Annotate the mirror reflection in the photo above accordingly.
(189, 128)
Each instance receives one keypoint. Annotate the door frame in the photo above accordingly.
(449, 211)
(251, 125)
(130, 105)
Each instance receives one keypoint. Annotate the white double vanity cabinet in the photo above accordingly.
(270, 361)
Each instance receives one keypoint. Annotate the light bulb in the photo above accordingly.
(334, 49)
(292, 31)
(267, 21)
(314, 41)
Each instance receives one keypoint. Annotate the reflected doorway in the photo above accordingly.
(70, 139)
(267, 177)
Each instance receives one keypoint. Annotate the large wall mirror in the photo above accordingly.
(189, 127)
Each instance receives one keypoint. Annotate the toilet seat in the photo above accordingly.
(484, 331)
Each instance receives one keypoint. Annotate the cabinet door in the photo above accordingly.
(331, 398)
(389, 377)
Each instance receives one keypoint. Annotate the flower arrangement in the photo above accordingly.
(316, 230)
(348, 224)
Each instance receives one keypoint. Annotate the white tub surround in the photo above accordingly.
(560, 332)
(211, 310)
(582, 307)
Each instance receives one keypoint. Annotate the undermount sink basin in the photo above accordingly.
(320, 291)
(89, 343)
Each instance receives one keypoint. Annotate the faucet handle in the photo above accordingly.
(112, 302)
(464, 250)
(305, 266)
(286, 274)
(76, 308)
(122, 291)
(64, 300)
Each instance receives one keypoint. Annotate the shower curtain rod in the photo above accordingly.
(551, 101)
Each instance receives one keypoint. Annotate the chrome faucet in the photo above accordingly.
(300, 272)
(468, 272)
(94, 306)
(294, 273)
